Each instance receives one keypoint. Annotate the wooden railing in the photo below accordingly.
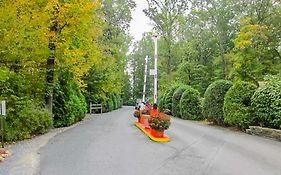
(95, 107)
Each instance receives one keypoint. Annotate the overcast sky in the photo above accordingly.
(140, 23)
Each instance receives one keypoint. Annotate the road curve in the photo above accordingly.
(110, 144)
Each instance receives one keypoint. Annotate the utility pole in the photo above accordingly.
(155, 38)
(145, 79)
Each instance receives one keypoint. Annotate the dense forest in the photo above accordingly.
(219, 60)
(57, 56)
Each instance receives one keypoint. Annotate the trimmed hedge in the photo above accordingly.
(267, 105)
(190, 104)
(168, 99)
(237, 105)
(214, 100)
(176, 100)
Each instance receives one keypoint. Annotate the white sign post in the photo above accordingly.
(151, 72)
(3, 108)
(2, 117)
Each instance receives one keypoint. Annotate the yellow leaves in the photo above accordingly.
(245, 21)
(243, 44)
(250, 34)
(25, 33)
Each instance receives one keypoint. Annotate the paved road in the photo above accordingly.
(109, 144)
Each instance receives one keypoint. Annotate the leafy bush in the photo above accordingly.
(25, 119)
(130, 102)
(69, 104)
(161, 102)
(214, 100)
(194, 75)
(176, 100)
(190, 104)
(237, 104)
(267, 105)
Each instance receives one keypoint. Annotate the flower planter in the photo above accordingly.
(156, 133)
(141, 119)
(145, 120)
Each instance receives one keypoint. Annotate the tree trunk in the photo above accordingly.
(50, 75)
(223, 65)
(169, 59)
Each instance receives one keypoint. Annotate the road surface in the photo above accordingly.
(109, 144)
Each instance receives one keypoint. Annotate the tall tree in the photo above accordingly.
(74, 26)
(165, 15)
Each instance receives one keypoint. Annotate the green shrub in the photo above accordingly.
(69, 104)
(118, 99)
(130, 102)
(237, 104)
(26, 119)
(190, 104)
(110, 104)
(176, 100)
(214, 100)
(267, 105)
(161, 103)
(114, 100)
(168, 99)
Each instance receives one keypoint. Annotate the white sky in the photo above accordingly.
(140, 22)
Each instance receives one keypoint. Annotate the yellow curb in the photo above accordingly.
(155, 139)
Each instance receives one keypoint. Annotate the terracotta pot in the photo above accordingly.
(156, 133)
(141, 120)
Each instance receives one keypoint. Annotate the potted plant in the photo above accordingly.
(158, 124)
(137, 114)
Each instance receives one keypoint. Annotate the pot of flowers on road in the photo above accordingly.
(137, 114)
(159, 124)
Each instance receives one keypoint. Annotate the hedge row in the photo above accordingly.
(113, 102)
(266, 102)
(237, 107)
(181, 101)
(214, 100)
(240, 104)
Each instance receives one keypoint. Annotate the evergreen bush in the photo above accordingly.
(168, 99)
(69, 104)
(214, 100)
(114, 100)
(118, 99)
(267, 105)
(176, 100)
(237, 104)
(190, 104)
